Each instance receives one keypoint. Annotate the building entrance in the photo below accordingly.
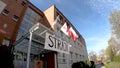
(38, 55)
(32, 46)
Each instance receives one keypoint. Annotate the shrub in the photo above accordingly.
(116, 59)
(83, 64)
(78, 65)
(92, 64)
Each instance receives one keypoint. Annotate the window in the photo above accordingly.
(23, 3)
(83, 56)
(71, 54)
(25, 56)
(81, 46)
(6, 42)
(71, 61)
(78, 43)
(36, 57)
(76, 56)
(15, 18)
(58, 54)
(19, 55)
(64, 60)
(63, 55)
(5, 12)
(32, 57)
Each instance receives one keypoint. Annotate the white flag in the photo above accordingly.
(55, 22)
(64, 29)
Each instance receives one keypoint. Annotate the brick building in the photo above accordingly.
(11, 16)
(17, 17)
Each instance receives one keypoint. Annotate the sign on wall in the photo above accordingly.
(2, 6)
(55, 44)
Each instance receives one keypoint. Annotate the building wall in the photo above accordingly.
(9, 27)
(32, 16)
(28, 15)
(49, 15)
(78, 51)
(9, 24)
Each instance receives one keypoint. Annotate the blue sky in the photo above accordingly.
(90, 18)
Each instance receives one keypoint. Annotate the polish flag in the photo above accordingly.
(64, 29)
(72, 34)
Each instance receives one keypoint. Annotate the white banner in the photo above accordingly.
(55, 44)
(2, 6)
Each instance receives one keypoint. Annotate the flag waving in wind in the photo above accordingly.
(55, 22)
(72, 34)
(64, 29)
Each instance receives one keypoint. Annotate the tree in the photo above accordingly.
(115, 23)
(109, 52)
(93, 56)
(114, 45)
(102, 52)
(101, 55)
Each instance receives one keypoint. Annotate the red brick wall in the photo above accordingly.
(15, 8)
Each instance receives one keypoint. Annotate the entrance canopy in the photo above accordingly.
(34, 42)
(38, 40)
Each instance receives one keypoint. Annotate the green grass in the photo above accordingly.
(116, 58)
(112, 65)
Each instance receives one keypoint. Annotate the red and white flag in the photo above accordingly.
(72, 34)
(64, 29)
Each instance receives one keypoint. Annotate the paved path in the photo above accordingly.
(99, 66)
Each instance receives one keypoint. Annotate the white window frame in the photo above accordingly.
(5, 12)
(6, 42)
(15, 19)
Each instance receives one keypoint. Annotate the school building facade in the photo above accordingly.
(19, 18)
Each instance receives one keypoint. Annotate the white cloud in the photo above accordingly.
(98, 47)
(97, 43)
(101, 6)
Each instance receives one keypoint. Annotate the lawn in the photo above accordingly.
(112, 65)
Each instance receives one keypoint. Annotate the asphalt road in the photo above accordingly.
(99, 66)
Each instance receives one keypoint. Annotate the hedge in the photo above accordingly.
(83, 64)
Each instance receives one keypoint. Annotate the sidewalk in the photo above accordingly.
(99, 66)
(102, 67)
